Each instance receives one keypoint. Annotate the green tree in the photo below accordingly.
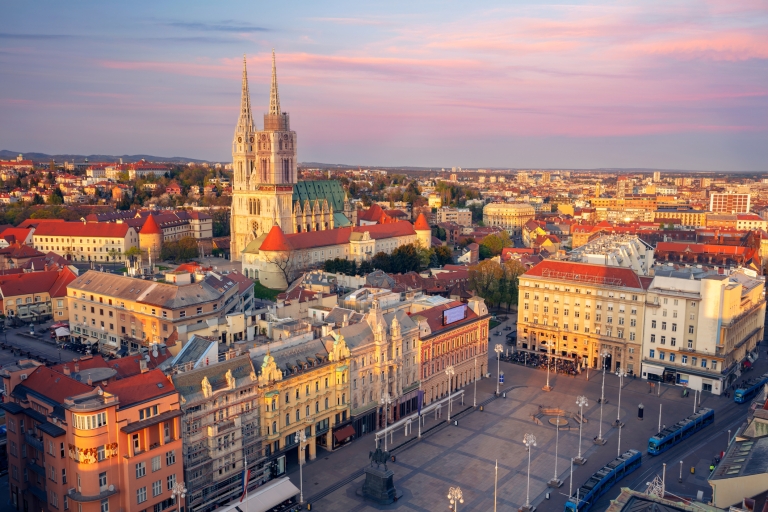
(382, 261)
(495, 243)
(405, 259)
(440, 256)
(56, 197)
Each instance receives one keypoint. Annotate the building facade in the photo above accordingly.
(86, 241)
(700, 329)
(729, 203)
(452, 335)
(460, 216)
(590, 314)
(510, 216)
(220, 429)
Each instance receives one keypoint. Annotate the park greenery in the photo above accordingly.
(497, 283)
(406, 258)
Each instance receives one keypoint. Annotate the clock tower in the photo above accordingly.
(265, 170)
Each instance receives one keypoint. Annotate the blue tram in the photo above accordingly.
(683, 429)
(749, 389)
(599, 483)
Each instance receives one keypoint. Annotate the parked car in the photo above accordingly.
(508, 328)
(497, 333)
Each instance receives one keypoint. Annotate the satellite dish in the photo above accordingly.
(111, 487)
(154, 353)
(146, 358)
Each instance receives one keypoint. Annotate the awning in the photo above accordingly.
(62, 331)
(264, 498)
(344, 433)
(655, 370)
(747, 364)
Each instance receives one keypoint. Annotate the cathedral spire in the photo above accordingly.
(245, 122)
(274, 97)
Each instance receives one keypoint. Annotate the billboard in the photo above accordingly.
(454, 314)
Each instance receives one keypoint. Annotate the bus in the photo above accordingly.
(683, 429)
(599, 483)
(749, 389)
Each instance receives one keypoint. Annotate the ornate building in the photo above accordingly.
(265, 172)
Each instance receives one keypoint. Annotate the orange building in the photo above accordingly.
(90, 439)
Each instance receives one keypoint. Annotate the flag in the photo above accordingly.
(420, 400)
(246, 478)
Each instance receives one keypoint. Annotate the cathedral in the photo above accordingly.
(266, 189)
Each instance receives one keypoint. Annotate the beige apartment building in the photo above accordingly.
(509, 216)
(461, 216)
(581, 311)
(125, 313)
(701, 328)
(86, 241)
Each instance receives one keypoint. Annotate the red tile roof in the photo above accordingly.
(31, 282)
(150, 227)
(421, 223)
(140, 388)
(372, 214)
(700, 248)
(19, 234)
(585, 273)
(276, 241)
(36, 222)
(81, 229)
(54, 385)
(434, 316)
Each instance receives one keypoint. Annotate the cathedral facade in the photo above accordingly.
(264, 163)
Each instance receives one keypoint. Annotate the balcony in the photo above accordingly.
(33, 441)
(85, 498)
(36, 468)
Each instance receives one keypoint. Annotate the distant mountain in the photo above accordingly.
(43, 157)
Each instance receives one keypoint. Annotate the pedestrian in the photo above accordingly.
(711, 468)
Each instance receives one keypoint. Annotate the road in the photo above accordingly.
(41, 347)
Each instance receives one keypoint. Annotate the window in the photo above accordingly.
(663, 326)
(156, 463)
(685, 360)
(632, 336)
(653, 338)
(690, 329)
(674, 327)
(690, 343)
(703, 363)
(663, 340)
(673, 342)
(141, 495)
(103, 480)
(671, 357)
(714, 365)
(652, 354)
(157, 488)
(141, 469)
(90, 421)
(104, 505)
(661, 355)
(200, 310)
(693, 361)
(148, 412)
(64, 476)
(653, 324)
(100, 453)
(171, 481)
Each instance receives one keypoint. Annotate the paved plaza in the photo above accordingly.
(465, 455)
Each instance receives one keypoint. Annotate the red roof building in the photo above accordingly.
(150, 227)
(421, 223)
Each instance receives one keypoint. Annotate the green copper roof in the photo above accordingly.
(330, 190)
(341, 221)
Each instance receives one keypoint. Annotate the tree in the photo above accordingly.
(56, 197)
(485, 253)
(440, 256)
(382, 261)
(496, 242)
(405, 259)
(439, 233)
(286, 261)
(132, 253)
(484, 279)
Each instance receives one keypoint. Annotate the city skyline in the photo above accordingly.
(574, 86)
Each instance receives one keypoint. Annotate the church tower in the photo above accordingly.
(265, 170)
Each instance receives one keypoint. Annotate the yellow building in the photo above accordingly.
(86, 241)
(581, 311)
(688, 218)
(124, 312)
(305, 389)
(36, 296)
(510, 216)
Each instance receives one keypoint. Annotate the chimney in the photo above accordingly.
(77, 367)
(66, 370)
(345, 321)
(162, 349)
(90, 382)
(143, 366)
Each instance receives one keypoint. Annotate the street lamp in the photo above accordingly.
(385, 401)
(529, 440)
(600, 439)
(179, 490)
(449, 372)
(302, 437)
(549, 362)
(498, 349)
(474, 374)
(556, 482)
(620, 374)
(455, 497)
(581, 401)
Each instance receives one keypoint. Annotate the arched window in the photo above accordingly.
(317, 406)
(274, 427)
(287, 419)
(326, 402)
(307, 412)
(298, 415)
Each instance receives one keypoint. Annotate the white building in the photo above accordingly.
(627, 251)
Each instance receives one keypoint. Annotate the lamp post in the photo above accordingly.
(455, 497)
(620, 374)
(556, 482)
(178, 490)
(549, 363)
(529, 440)
(498, 349)
(581, 401)
(474, 398)
(600, 439)
(449, 372)
(385, 401)
(302, 437)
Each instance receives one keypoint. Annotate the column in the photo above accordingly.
(312, 442)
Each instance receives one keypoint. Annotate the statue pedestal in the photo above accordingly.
(379, 486)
